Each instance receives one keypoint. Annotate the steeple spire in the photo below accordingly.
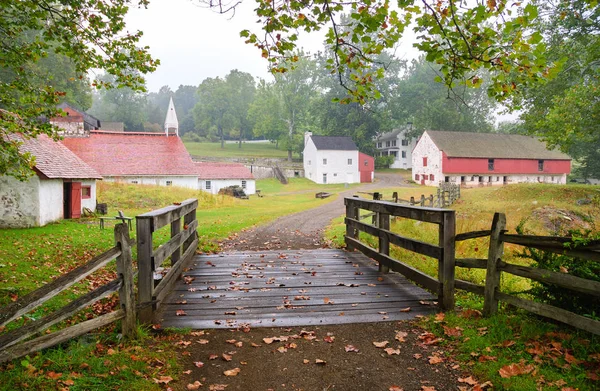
(171, 124)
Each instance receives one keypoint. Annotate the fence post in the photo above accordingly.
(351, 213)
(492, 276)
(395, 196)
(175, 229)
(431, 200)
(447, 262)
(384, 243)
(412, 201)
(187, 219)
(422, 199)
(125, 271)
(145, 268)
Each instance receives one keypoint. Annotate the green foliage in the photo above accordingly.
(383, 161)
(89, 34)
(580, 303)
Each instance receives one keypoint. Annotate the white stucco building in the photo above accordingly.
(329, 159)
(488, 159)
(62, 186)
(213, 177)
(396, 143)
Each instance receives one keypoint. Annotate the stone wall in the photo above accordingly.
(19, 202)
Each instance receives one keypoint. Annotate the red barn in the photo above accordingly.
(366, 167)
(486, 159)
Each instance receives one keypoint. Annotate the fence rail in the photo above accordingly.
(494, 266)
(443, 252)
(10, 348)
(180, 248)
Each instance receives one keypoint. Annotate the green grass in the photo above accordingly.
(248, 150)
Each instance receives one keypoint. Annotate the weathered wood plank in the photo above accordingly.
(126, 291)
(555, 245)
(472, 263)
(567, 317)
(174, 244)
(446, 264)
(429, 215)
(166, 215)
(175, 230)
(29, 329)
(145, 268)
(36, 298)
(561, 279)
(188, 218)
(55, 338)
(409, 244)
(492, 276)
(411, 273)
(472, 235)
(163, 288)
(469, 287)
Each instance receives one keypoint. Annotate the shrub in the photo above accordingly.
(384, 161)
(586, 305)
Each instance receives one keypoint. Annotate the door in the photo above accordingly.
(72, 200)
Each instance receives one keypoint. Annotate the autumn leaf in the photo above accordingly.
(320, 362)
(515, 370)
(484, 358)
(428, 388)
(213, 356)
(54, 375)
(440, 316)
(391, 351)
(453, 331)
(469, 380)
(198, 364)
(395, 388)
(305, 361)
(329, 339)
(400, 335)
(202, 341)
(328, 301)
(407, 309)
(350, 348)
(180, 313)
(163, 380)
(226, 357)
(194, 386)
(281, 349)
(217, 387)
(435, 360)
(232, 372)
(470, 314)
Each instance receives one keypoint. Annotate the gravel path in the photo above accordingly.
(304, 230)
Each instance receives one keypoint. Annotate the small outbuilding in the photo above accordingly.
(213, 177)
(63, 185)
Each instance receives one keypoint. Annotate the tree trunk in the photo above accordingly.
(221, 134)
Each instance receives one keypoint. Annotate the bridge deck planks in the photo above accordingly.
(289, 288)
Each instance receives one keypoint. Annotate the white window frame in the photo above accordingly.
(349, 162)
(169, 183)
(325, 161)
(207, 185)
(243, 184)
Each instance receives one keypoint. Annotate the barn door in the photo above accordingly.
(75, 200)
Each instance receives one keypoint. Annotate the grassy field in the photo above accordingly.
(248, 150)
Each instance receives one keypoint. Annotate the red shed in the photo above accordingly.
(366, 167)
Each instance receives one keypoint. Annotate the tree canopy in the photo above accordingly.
(88, 34)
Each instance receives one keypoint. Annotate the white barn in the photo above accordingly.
(63, 185)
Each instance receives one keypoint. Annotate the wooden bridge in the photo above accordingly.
(289, 288)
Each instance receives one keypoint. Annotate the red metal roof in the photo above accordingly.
(54, 160)
(210, 170)
(128, 154)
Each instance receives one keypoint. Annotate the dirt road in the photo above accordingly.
(304, 230)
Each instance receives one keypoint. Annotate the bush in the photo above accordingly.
(580, 303)
(192, 137)
(384, 161)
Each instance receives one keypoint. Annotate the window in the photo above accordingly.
(393, 143)
(387, 143)
(349, 162)
(540, 165)
(134, 182)
(404, 154)
(169, 183)
(394, 153)
(366, 162)
(207, 185)
(86, 192)
(335, 174)
(378, 145)
(490, 164)
(447, 179)
(431, 177)
(425, 162)
(324, 178)
(404, 142)
(309, 163)
(480, 179)
(416, 177)
(324, 162)
(243, 184)
(489, 179)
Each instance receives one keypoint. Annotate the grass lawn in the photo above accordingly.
(248, 150)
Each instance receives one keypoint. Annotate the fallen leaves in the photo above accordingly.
(351, 348)
(163, 380)
(381, 344)
(180, 313)
(515, 370)
(232, 372)
(194, 386)
(391, 351)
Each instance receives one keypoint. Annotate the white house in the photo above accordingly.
(212, 177)
(486, 159)
(330, 159)
(396, 143)
(62, 186)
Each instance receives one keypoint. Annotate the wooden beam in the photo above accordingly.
(55, 338)
(29, 329)
(492, 276)
(164, 216)
(561, 279)
(564, 316)
(469, 287)
(352, 212)
(145, 268)
(175, 230)
(447, 267)
(413, 245)
(472, 263)
(126, 291)
(36, 298)
(163, 288)
(174, 244)
(429, 215)
(384, 244)
(411, 273)
(472, 235)
(555, 245)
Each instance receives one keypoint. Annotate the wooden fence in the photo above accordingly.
(495, 266)
(153, 286)
(443, 252)
(9, 349)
